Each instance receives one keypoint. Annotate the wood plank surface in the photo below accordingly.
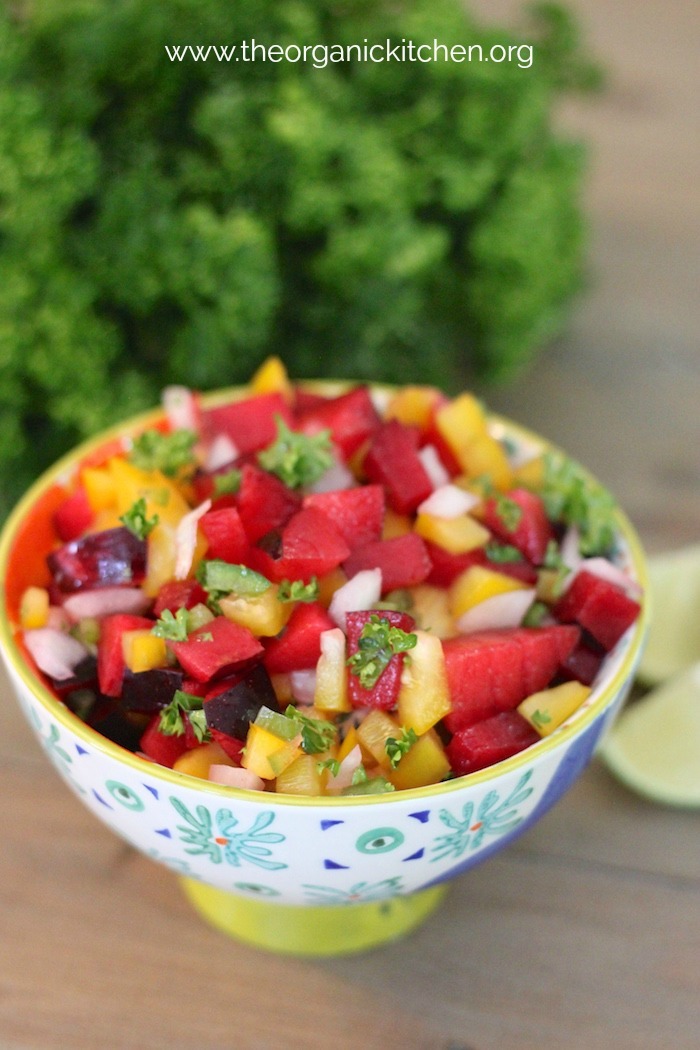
(586, 932)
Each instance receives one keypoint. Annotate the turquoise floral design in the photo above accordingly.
(493, 816)
(360, 893)
(213, 836)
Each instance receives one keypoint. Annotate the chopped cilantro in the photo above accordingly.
(378, 642)
(535, 615)
(397, 747)
(136, 520)
(198, 722)
(227, 482)
(572, 497)
(298, 591)
(168, 453)
(331, 764)
(540, 718)
(364, 785)
(508, 511)
(502, 553)
(317, 735)
(297, 459)
(171, 721)
(172, 627)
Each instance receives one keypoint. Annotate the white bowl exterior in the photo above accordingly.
(315, 852)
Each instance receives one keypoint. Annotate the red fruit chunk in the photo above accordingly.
(310, 545)
(298, 647)
(161, 748)
(392, 461)
(357, 513)
(178, 594)
(403, 560)
(251, 423)
(599, 606)
(583, 663)
(385, 692)
(533, 530)
(73, 516)
(100, 559)
(110, 657)
(264, 502)
(225, 535)
(216, 649)
(446, 567)
(491, 671)
(489, 741)
(350, 417)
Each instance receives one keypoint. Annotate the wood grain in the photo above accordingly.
(586, 932)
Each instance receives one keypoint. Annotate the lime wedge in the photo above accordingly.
(674, 635)
(654, 747)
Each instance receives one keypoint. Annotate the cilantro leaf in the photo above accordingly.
(228, 481)
(397, 747)
(317, 735)
(502, 553)
(153, 450)
(572, 497)
(378, 642)
(297, 459)
(171, 722)
(172, 627)
(298, 591)
(135, 519)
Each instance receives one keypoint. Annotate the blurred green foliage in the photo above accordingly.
(170, 221)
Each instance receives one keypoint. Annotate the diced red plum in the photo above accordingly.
(533, 531)
(490, 671)
(357, 513)
(216, 649)
(149, 691)
(599, 606)
(403, 560)
(250, 423)
(583, 663)
(392, 460)
(230, 710)
(384, 694)
(298, 647)
(310, 545)
(351, 418)
(179, 594)
(225, 534)
(100, 559)
(264, 502)
(492, 740)
(72, 517)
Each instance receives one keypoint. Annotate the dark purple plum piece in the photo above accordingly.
(109, 558)
(150, 691)
(232, 710)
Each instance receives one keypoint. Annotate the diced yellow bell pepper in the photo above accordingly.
(331, 692)
(462, 423)
(456, 535)
(395, 524)
(198, 760)
(546, 710)
(424, 696)
(98, 483)
(476, 584)
(413, 406)
(431, 611)
(162, 495)
(34, 608)
(530, 474)
(304, 776)
(272, 378)
(266, 754)
(372, 734)
(263, 614)
(424, 763)
(486, 457)
(160, 558)
(349, 742)
(143, 650)
(329, 584)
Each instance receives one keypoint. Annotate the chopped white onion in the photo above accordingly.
(55, 653)
(362, 591)
(104, 601)
(497, 612)
(433, 465)
(186, 539)
(220, 453)
(180, 406)
(303, 684)
(343, 778)
(338, 476)
(569, 549)
(235, 776)
(449, 501)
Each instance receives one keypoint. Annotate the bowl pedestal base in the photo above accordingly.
(315, 930)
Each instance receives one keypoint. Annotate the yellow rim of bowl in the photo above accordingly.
(65, 468)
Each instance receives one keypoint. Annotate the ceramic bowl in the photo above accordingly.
(280, 871)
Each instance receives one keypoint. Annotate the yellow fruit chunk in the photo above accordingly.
(268, 755)
(329, 584)
(304, 776)
(272, 378)
(431, 611)
(456, 535)
(98, 483)
(34, 608)
(348, 743)
(424, 763)
(476, 584)
(395, 524)
(673, 643)
(530, 474)
(654, 747)
(263, 614)
(372, 734)
(486, 457)
(331, 692)
(547, 709)
(460, 422)
(198, 760)
(160, 559)
(413, 406)
(424, 696)
(162, 496)
(143, 650)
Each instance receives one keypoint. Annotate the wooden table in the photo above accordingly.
(586, 932)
